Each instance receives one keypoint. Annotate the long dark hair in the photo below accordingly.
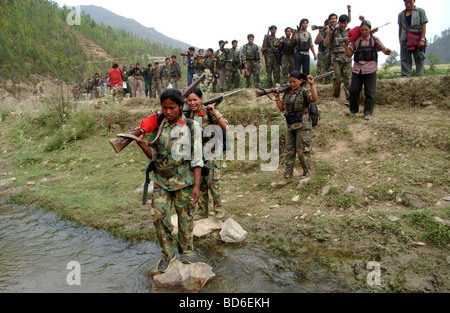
(298, 75)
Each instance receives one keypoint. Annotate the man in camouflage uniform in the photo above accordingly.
(165, 74)
(232, 66)
(207, 116)
(220, 66)
(252, 61)
(270, 54)
(176, 177)
(155, 74)
(175, 72)
(323, 60)
(287, 55)
(342, 65)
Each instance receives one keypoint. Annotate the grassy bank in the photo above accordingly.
(398, 163)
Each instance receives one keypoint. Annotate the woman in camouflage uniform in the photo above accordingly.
(296, 103)
(176, 178)
(207, 116)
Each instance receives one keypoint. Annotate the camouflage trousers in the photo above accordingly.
(156, 88)
(211, 184)
(117, 93)
(208, 85)
(272, 69)
(232, 78)
(164, 82)
(287, 67)
(161, 204)
(253, 68)
(342, 74)
(323, 66)
(298, 141)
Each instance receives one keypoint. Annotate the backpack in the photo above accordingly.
(314, 114)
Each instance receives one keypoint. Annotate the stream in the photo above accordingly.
(36, 247)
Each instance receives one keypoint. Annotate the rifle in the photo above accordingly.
(339, 40)
(123, 140)
(263, 92)
(373, 31)
(219, 99)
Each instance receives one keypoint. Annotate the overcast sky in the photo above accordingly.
(204, 23)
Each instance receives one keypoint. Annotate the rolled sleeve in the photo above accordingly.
(197, 146)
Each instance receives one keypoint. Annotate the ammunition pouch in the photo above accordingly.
(292, 118)
(166, 172)
(302, 46)
(173, 74)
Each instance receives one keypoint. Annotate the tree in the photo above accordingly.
(391, 60)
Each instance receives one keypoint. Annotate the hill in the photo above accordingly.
(46, 46)
(108, 18)
(440, 45)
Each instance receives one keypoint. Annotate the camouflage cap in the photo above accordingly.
(272, 27)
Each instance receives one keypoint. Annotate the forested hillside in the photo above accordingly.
(441, 46)
(108, 18)
(35, 38)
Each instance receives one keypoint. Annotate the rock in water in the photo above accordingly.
(202, 227)
(232, 232)
(206, 226)
(183, 277)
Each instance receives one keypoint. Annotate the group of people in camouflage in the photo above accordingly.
(183, 176)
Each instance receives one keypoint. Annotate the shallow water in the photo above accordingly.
(36, 247)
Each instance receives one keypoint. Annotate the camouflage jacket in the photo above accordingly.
(232, 58)
(175, 70)
(298, 102)
(155, 73)
(335, 46)
(250, 52)
(209, 63)
(171, 154)
(165, 72)
(269, 45)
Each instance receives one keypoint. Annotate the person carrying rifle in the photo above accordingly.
(296, 103)
(232, 65)
(364, 73)
(270, 55)
(342, 65)
(207, 116)
(287, 55)
(323, 63)
(176, 177)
